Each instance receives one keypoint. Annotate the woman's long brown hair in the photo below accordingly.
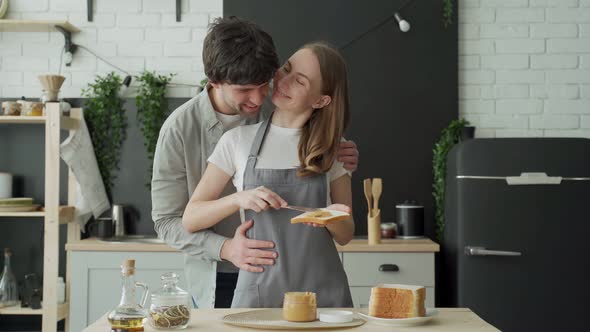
(321, 135)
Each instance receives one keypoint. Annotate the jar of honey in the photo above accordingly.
(300, 307)
(388, 230)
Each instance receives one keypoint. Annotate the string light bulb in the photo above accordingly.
(404, 25)
(68, 57)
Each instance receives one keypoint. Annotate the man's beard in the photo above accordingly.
(247, 113)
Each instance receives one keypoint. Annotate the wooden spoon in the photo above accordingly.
(377, 188)
(368, 195)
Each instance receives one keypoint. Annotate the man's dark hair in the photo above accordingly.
(236, 51)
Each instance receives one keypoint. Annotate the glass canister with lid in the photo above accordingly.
(170, 307)
(300, 307)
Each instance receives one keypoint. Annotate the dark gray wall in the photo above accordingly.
(403, 86)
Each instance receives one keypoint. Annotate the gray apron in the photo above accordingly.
(307, 256)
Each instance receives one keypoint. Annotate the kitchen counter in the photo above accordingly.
(95, 268)
(448, 319)
(356, 245)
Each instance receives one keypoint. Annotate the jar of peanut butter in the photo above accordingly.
(300, 307)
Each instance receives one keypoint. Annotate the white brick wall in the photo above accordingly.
(135, 35)
(524, 67)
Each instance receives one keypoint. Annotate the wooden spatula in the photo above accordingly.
(368, 194)
(377, 188)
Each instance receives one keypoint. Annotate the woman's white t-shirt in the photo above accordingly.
(279, 151)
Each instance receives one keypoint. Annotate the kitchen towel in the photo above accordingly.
(78, 153)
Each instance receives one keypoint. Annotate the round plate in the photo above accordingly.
(430, 313)
(19, 208)
(272, 319)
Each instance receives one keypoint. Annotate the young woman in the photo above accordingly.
(288, 159)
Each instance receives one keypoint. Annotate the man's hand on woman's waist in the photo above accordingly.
(246, 253)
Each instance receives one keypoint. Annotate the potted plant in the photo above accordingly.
(450, 136)
(447, 12)
(107, 124)
(152, 110)
(203, 84)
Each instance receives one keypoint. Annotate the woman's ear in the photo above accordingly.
(322, 102)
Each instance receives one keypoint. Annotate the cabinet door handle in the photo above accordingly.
(388, 268)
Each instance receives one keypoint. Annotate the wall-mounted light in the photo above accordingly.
(68, 57)
(127, 80)
(69, 47)
(404, 26)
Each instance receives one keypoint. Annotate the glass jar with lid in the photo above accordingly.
(300, 307)
(170, 308)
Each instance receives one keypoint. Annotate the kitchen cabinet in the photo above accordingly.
(367, 269)
(96, 280)
(96, 286)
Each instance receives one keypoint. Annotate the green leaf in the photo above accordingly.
(152, 110)
(107, 124)
(448, 138)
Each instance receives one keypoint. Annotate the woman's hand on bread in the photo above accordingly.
(258, 199)
(313, 224)
(336, 207)
(340, 207)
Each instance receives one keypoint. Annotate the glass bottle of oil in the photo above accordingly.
(129, 315)
(8, 283)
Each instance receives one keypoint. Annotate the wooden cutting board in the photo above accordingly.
(272, 319)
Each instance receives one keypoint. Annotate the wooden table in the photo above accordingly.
(448, 319)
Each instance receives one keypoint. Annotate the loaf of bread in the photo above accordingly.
(397, 301)
(321, 216)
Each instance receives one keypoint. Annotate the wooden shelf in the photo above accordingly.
(53, 123)
(62, 311)
(23, 214)
(66, 214)
(23, 119)
(66, 123)
(35, 26)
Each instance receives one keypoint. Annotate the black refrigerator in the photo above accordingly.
(516, 246)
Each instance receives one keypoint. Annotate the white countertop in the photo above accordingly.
(356, 245)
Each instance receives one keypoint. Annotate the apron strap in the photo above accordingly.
(257, 144)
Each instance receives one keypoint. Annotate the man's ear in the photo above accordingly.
(322, 102)
(215, 85)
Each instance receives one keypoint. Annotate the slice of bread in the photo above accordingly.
(397, 301)
(321, 216)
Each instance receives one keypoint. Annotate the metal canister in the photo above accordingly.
(410, 220)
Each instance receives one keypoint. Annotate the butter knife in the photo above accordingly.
(301, 208)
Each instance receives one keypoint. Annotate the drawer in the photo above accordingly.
(361, 295)
(362, 269)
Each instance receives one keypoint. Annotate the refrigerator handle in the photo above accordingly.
(525, 178)
(481, 251)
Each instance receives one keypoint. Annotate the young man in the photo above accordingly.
(240, 59)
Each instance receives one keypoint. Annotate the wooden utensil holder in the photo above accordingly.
(374, 227)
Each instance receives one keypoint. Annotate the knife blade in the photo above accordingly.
(301, 208)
